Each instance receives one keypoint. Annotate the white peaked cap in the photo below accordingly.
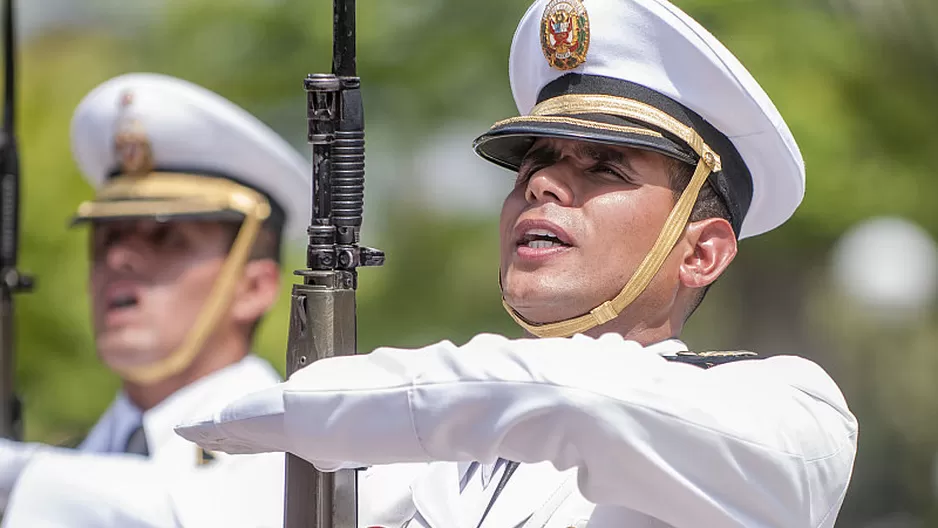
(191, 130)
(654, 45)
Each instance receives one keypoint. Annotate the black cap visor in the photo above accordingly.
(507, 143)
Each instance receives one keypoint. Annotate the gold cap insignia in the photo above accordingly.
(565, 33)
(131, 145)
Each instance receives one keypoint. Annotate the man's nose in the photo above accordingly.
(126, 255)
(551, 184)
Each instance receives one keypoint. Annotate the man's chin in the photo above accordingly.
(543, 309)
(121, 354)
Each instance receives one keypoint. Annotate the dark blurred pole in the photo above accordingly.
(10, 279)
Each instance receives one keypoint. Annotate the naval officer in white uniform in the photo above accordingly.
(644, 151)
(193, 198)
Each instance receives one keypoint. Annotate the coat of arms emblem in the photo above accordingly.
(565, 33)
(131, 145)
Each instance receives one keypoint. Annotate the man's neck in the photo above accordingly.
(650, 327)
(641, 332)
(209, 361)
(643, 338)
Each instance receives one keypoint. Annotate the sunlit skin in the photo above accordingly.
(607, 204)
(148, 283)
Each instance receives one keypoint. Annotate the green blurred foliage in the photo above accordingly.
(857, 93)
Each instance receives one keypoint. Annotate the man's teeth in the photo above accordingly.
(541, 244)
(540, 232)
(540, 239)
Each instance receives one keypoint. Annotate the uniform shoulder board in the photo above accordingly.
(709, 359)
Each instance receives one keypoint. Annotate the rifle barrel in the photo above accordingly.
(9, 43)
(343, 38)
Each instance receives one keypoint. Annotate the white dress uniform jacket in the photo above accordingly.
(609, 433)
(178, 485)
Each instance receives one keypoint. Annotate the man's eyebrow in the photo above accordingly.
(543, 155)
(546, 155)
(598, 153)
(604, 154)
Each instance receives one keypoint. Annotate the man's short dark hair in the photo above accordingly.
(709, 205)
(266, 245)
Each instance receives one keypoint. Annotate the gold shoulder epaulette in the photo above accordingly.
(712, 358)
(723, 353)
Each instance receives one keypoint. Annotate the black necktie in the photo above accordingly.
(510, 468)
(137, 442)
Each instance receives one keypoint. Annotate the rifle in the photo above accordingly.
(322, 310)
(11, 281)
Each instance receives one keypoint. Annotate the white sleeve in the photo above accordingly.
(63, 488)
(758, 443)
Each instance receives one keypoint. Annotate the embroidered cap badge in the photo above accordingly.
(131, 145)
(565, 33)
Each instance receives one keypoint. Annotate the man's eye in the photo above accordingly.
(104, 238)
(160, 234)
(109, 238)
(611, 171)
(167, 237)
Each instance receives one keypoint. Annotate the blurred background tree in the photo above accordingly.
(854, 79)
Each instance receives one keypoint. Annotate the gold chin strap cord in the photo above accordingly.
(673, 227)
(158, 194)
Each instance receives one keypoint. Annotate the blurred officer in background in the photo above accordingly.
(194, 197)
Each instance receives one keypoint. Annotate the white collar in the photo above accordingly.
(159, 421)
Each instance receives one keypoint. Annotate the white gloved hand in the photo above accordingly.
(249, 425)
(13, 459)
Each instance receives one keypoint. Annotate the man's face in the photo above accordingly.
(149, 281)
(579, 221)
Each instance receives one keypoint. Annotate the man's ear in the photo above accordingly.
(257, 291)
(714, 247)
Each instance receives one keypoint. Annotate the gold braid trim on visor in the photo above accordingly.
(573, 104)
(581, 123)
(169, 193)
(159, 194)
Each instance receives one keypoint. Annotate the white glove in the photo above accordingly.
(258, 428)
(13, 459)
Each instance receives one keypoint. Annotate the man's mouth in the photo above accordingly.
(121, 301)
(541, 239)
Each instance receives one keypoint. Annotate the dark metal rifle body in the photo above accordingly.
(319, 328)
(11, 281)
(322, 312)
